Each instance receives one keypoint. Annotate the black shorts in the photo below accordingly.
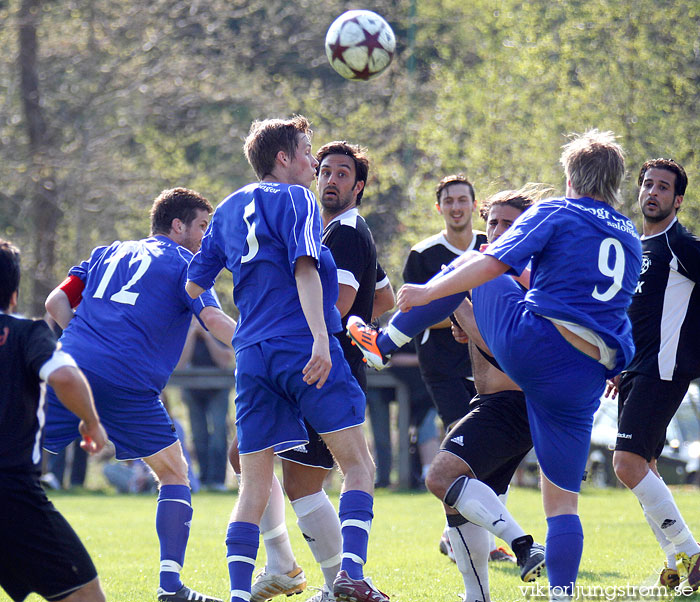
(493, 438)
(451, 397)
(315, 453)
(645, 407)
(40, 552)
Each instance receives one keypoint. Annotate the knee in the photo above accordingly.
(629, 468)
(435, 483)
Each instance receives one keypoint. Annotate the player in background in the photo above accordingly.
(40, 552)
(444, 363)
(363, 287)
(127, 335)
(489, 442)
(289, 364)
(665, 315)
(560, 341)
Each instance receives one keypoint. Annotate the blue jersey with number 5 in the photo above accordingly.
(585, 258)
(258, 233)
(131, 325)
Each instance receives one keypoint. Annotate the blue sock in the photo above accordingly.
(563, 551)
(355, 512)
(241, 550)
(173, 517)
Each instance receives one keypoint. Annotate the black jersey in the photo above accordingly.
(25, 346)
(355, 254)
(665, 308)
(439, 355)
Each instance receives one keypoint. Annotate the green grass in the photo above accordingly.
(404, 560)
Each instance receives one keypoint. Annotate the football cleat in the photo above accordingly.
(184, 594)
(365, 337)
(689, 569)
(268, 585)
(346, 589)
(323, 595)
(501, 555)
(446, 547)
(669, 578)
(530, 557)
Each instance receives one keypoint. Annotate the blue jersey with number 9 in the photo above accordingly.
(585, 258)
(131, 325)
(258, 233)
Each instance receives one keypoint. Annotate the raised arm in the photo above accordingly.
(58, 306)
(311, 298)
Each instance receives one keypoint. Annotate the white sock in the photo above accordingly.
(657, 501)
(479, 504)
(320, 525)
(470, 544)
(273, 528)
(667, 546)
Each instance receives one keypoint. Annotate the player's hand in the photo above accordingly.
(459, 335)
(412, 295)
(612, 387)
(94, 437)
(318, 367)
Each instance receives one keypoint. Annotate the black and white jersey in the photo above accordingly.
(440, 356)
(350, 241)
(665, 308)
(25, 348)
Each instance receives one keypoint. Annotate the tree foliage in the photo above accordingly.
(136, 97)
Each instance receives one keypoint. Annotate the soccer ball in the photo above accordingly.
(360, 44)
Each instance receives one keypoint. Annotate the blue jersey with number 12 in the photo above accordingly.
(131, 325)
(585, 265)
(258, 233)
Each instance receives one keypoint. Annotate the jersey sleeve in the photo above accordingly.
(303, 223)
(210, 259)
(687, 248)
(350, 255)
(81, 270)
(382, 278)
(40, 347)
(414, 271)
(527, 236)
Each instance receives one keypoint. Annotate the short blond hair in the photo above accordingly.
(595, 165)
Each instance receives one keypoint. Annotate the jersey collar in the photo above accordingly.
(673, 221)
(350, 213)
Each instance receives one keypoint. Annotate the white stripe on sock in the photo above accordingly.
(354, 557)
(239, 593)
(236, 558)
(332, 561)
(175, 500)
(276, 532)
(353, 522)
(169, 566)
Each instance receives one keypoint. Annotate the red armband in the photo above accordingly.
(73, 287)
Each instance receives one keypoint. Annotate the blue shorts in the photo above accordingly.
(272, 399)
(562, 385)
(138, 425)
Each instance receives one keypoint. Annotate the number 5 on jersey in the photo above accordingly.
(251, 241)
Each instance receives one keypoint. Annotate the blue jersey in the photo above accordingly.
(131, 325)
(585, 265)
(258, 233)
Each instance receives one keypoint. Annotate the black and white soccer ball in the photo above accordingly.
(360, 44)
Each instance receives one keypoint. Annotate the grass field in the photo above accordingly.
(404, 560)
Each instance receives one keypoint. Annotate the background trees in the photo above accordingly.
(103, 104)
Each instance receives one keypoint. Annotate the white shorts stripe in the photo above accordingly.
(353, 522)
(236, 558)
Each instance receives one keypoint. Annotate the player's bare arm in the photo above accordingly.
(474, 271)
(73, 390)
(311, 298)
(218, 323)
(193, 290)
(59, 308)
(384, 300)
(465, 317)
(346, 297)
